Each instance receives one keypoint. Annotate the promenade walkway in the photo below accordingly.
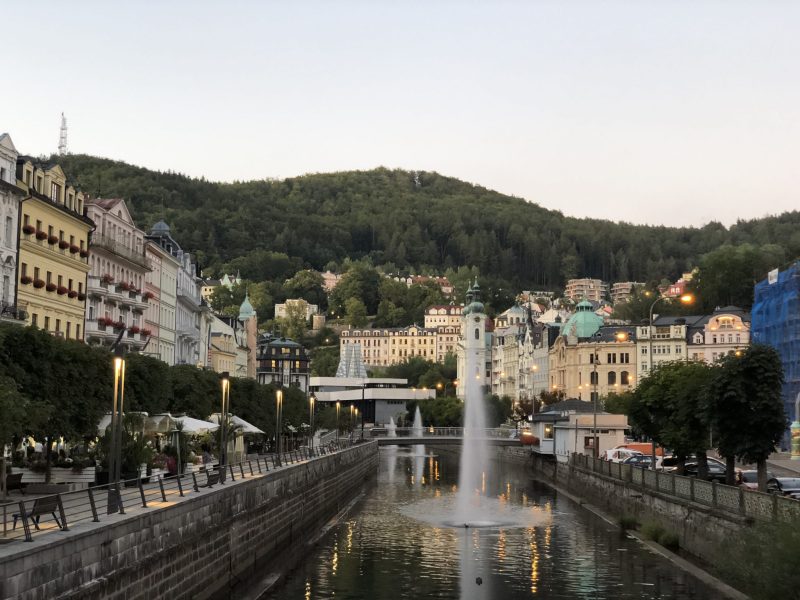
(64, 514)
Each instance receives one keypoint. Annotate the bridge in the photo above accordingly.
(442, 436)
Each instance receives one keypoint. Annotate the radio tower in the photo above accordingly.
(62, 138)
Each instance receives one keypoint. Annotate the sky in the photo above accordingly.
(662, 112)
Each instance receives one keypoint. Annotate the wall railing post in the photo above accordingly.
(92, 505)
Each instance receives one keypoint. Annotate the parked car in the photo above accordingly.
(619, 454)
(643, 461)
(716, 468)
(749, 479)
(785, 486)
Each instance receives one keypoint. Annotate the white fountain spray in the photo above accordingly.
(419, 449)
(416, 429)
(391, 428)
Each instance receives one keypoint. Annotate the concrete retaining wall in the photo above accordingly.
(208, 546)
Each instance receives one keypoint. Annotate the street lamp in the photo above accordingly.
(338, 407)
(311, 400)
(278, 425)
(117, 410)
(223, 425)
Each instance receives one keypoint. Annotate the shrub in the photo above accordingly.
(670, 540)
(628, 522)
(653, 531)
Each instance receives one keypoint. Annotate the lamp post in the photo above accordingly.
(363, 403)
(595, 441)
(278, 424)
(338, 407)
(115, 456)
(311, 420)
(352, 420)
(223, 425)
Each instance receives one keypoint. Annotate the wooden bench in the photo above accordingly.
(212, 478)
(41, 506)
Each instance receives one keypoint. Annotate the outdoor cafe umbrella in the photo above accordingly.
(238, 423)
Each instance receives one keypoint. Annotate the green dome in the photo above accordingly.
(584, 323)
(246, 310)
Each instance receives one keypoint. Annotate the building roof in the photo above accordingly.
(584, 323)
(246, 310)
(160, 228)
(104, 203)
(560, 410)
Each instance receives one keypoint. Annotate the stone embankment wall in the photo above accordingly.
(702, 529)
(208, 546)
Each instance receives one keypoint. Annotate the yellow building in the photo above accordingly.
(53, 249)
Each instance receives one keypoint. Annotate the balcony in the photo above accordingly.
(113, 246)
(13, 313)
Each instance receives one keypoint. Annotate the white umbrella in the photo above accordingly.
(238, 423)
(195, 426)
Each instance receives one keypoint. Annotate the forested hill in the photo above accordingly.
(409, 219)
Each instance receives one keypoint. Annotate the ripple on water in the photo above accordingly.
(484, 513)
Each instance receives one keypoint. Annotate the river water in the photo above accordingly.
(391, 547)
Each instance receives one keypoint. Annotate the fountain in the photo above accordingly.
(416, 429)
(391, 428)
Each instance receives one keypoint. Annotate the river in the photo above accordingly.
(389, 546)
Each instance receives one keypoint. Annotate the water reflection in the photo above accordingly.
(382, 551)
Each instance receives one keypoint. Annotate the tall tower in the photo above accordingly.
(472, 348)
(62, 138)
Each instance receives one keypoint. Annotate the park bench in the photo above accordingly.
(212, 478)
(41, 506)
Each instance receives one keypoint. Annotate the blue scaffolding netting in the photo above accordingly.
(776, 321)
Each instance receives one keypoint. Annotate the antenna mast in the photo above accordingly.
(62, 138)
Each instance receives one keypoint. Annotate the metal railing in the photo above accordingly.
(30, 516)
(732, 499)
(498, 432)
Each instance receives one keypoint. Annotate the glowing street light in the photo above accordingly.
(117, 411)
(278, 424)
(223, 425)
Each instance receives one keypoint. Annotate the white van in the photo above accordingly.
(617, 455)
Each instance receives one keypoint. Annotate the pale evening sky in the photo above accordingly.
(661, 112)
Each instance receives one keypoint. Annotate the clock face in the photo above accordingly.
(477, 319)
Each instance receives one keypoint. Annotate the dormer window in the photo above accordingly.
(55, 192)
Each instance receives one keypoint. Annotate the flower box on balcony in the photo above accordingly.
(25, 280)
(119, 325)
(51, 287)
(135, 329)
(53, 239)
(107, 278)
(81, 296)
(62, 290)
(149, 296)
(73, 294)
(28, 229)
(124, 285)
(63, 244)
(41, 235)
(146, 332)
(38, 283)
(84, 253)
(74, 249)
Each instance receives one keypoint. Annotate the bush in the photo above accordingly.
(628, 522)
(763, 561)
(653, 531)
(670, 540)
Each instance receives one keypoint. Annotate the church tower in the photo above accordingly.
(249, 319)
(472, 346)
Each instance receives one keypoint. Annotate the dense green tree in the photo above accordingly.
(148, 384)
(355, 312)
(324, 361)
(308, 285)
(743, 402)
(361, 282)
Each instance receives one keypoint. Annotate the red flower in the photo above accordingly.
(74, 249)
(25, 280)
(105, 278)
(41, 235)
(135, 329)
(38, 283)
(28, 229)
(53, 239)
(81, 297)
(73, 294)
(63, 244)
(84, 253)
(102, 321)
(51, 287)
(146, 332)
(119, 325)
(149, 295)
(125, 286)
(62, 290)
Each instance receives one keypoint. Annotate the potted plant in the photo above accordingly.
(63, 244)
(119, 325)
(81, 296)
(107, 279)
(135, 329)
(84, 253)
(62, 290)
(51, 287)
(74, 249)
(41, 235)
(72, 294)
(52, 239)
(25, 280)
(149, 296)
(38, 283)
(146, 332)
(28, 229)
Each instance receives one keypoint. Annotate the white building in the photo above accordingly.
(474, 359)
(162, 282)
(10, 196)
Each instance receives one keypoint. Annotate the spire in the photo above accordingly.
(476, 290)
(246, 310)
(62, 138)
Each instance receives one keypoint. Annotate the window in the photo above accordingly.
(548, 431)
(47, 323)
(593, 378)
(713, 339)
(612, 378)
(35, 320)
(58, 324)
(77, 331)
(477, 333)
(24, 269)
(624, 378)
(54, 192)
(588, 441)
(49, 277)
(9, 231)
